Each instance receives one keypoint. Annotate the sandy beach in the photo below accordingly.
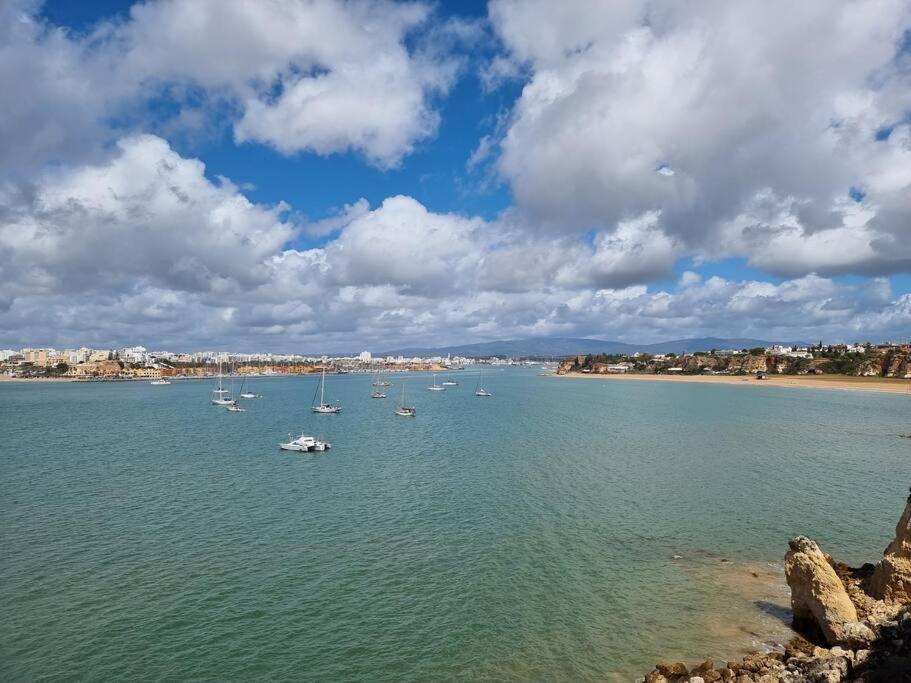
(844, 382)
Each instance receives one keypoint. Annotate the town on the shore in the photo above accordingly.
(858, 360)
(137, 362)
(891, 359)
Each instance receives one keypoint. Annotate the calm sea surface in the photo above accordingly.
(148, 535)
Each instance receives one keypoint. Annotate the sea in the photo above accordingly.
(561, 530)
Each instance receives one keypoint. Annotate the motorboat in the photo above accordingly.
(450, 383)
(159, 382)
(304, 443)
(234, 408)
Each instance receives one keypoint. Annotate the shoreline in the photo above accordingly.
(884, 385)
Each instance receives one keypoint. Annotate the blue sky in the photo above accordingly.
(453, 172)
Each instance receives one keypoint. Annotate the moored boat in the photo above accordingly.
(322, 406)
(403, 410)
(303, 444)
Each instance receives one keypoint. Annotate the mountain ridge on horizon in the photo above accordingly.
(573, 346)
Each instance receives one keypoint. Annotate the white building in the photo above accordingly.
(365, 356)
(134, 354)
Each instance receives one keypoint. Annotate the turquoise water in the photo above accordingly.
(147, 535)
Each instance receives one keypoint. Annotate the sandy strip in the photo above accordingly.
(879, 384)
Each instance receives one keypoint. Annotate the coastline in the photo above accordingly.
(886, 385)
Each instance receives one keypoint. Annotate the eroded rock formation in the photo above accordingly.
(853, 624)
(818, 597)
(892, 577)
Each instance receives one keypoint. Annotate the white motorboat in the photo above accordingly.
(304, 443)
(435, 386)
(403, 410)
(159, 382)
(322, 406)
(450, 383)
(234, 408)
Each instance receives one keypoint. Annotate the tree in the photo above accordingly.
(757, 351)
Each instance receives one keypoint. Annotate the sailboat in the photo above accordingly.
(322, 406)
(403, 410)
(380, 382)
(247, 393)
(479, 390)
(220, 395)
(378, 392)
(435, 386)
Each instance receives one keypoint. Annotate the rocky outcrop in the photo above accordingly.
(750, 364)
(891, 579)
(818, 597)
(847, 631)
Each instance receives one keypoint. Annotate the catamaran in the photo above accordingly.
(322, 406)
(220, 395)
(435, 386)
(403, 410)
(479, 390)
(304, 443)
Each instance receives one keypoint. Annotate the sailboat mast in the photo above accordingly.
(322, 388)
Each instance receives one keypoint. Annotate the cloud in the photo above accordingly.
(700, 112)
(143, 243)
(145, 216)
(322, 76)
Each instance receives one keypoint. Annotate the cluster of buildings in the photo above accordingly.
(871, 360)
(137, 362)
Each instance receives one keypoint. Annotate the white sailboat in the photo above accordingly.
(220, 395)
(378, 392)
(435, 386)
(322, 406)
(479, 390)
(403, 410)
(247, 393)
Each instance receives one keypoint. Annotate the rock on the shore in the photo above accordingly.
(818, 597)
(891, 579)
(829, 599)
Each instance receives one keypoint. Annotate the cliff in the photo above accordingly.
(854, 624)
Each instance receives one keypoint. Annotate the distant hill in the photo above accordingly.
(558, 347)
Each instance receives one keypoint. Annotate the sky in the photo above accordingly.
(316, 175)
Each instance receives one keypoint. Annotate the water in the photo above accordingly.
(147, 535)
